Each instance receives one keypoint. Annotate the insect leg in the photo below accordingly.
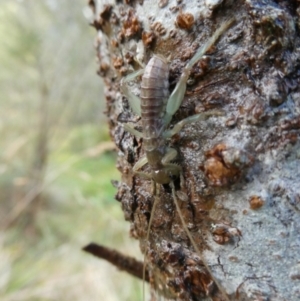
(127, 127)
(138, 165)
(134, 101)
(170, 155)
(177, 95)
(171, 168)
(212, 40)
(198, 117)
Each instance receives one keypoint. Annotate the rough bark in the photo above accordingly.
(241, 169)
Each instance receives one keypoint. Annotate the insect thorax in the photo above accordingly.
(160, 174)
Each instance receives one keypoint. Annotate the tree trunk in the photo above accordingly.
(241, 170)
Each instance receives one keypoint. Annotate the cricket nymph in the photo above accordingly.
(156, 108)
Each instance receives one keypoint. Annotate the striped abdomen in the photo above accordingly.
(154, 95)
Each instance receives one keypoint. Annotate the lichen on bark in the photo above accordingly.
(241, 169)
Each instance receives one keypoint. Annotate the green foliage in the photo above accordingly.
(87, 176)
(51, 115)
(86, 136)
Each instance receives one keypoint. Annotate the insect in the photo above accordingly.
(156, 109)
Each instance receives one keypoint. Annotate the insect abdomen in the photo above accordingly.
(154, 95)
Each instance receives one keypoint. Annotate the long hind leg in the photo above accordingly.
(134, 101)
(173, 169)
(177, 95)
(198, 117)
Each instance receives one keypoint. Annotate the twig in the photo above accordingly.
(121, 261)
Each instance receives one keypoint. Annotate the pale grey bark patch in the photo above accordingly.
(249, 153)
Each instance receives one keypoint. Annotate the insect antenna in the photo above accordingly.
(156, 199)
(187, 231)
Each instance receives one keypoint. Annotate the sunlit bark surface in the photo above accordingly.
(241, 169)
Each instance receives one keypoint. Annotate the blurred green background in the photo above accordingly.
(56, 160)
